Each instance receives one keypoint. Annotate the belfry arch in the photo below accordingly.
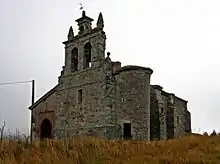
(74, 60)
(46, 129)
(87, 55)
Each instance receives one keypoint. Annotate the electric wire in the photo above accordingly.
(15, 82)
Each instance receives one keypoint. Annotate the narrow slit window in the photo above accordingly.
(80, 96)
(177, 120)
(162, 110)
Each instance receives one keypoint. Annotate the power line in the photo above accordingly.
(32, 95)
(15, 82)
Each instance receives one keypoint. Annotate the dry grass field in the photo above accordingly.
(88, 150)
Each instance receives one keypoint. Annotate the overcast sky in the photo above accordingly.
(178, 39)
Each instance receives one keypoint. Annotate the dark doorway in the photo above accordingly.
(46, 129)
(127, 131)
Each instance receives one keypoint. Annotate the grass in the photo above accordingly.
(89, 150)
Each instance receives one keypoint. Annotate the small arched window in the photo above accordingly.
(74, 60)
(87, 55)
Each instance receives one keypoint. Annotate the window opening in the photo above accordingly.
(74, 60)
(177, 120)
(87, 55)
(80, 96)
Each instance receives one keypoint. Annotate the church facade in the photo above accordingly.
(97, 96)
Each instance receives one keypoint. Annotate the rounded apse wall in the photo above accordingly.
(134, 99)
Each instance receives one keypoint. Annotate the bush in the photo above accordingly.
(205, 134)
(213, 133)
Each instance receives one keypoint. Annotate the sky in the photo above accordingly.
(178, 39)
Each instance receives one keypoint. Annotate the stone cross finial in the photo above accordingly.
(82, 8)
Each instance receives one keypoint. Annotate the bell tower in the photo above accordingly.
(84, 23)
(85, 50)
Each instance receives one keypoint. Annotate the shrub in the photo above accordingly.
(213, 133)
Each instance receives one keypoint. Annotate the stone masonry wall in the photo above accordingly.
(108, 99)
(180, 117)
(74, 117)
(133, 100)
(169, 115)
(97, 41)
(44, 110)
(163, 116)
(158, 113)
(154, 116)
(188, 122)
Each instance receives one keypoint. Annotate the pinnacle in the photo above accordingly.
(70, 34)
(100, 22)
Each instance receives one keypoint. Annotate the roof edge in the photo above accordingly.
(167, 93)
(157, 87)
(50, 92)
(84, 17)
(181, 99)
(135, 67)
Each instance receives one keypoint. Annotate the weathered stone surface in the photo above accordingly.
(43, 109)
(96, 96)
(169, 115)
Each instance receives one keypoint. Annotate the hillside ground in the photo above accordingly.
(89, 150)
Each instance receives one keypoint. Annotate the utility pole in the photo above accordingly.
(32, 96)
(33, 91)
(32, 102)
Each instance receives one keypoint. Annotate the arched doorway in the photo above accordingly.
(45, 129)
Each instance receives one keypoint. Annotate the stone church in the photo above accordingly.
(99, 97)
